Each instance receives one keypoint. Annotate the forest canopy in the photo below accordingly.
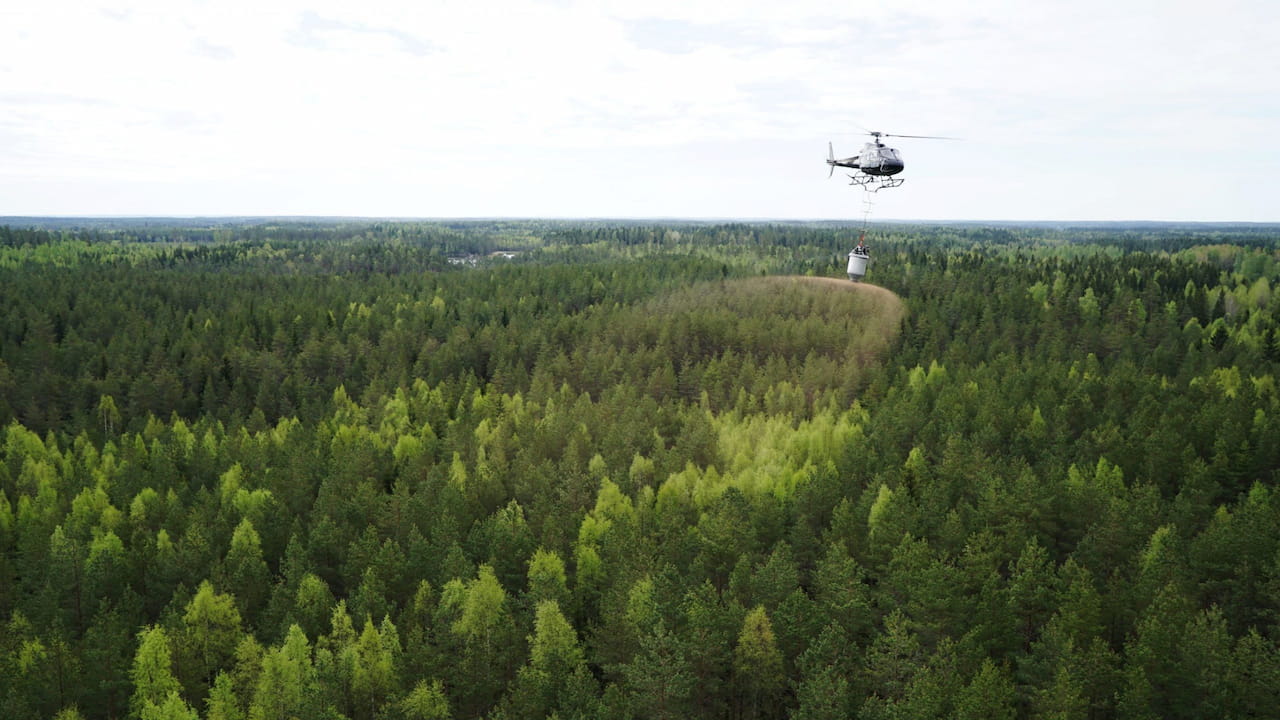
(519, 469)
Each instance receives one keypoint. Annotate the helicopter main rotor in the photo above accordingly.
(877, 135)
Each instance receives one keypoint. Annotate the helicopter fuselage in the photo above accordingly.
(879, 159)
(875, 159)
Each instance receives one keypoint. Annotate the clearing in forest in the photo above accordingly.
(791, 317)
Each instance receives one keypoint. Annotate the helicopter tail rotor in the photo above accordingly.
(831, 160)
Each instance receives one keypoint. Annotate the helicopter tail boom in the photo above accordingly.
(851, 162)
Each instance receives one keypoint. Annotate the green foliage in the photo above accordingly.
(660, 678)
(317, 470)
(427, 701)
(154, 685)
(757, 664)
(223, 703)
(483, 609)
(555, 661)
(547, 579)
(211, 631)
(374, 674)
(172, 708)
(990, 694)
(286, 683)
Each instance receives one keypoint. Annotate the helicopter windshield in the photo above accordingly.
(890, 154)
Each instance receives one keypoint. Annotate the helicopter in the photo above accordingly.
(877, 162)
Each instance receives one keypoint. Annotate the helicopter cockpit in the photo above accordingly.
(878, 159)
(889, 155)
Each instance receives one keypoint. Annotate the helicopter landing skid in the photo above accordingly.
(874, 183)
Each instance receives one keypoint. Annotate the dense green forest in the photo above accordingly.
(335, 469)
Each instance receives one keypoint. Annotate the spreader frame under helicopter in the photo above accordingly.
(875, 183)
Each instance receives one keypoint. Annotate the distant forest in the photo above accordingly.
(260, 469)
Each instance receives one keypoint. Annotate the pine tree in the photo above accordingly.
(660, 679)
(988, 696)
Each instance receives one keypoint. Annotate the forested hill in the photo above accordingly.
(371, 470)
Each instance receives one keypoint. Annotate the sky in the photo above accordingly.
(1075, 110)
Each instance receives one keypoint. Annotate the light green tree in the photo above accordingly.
(554, 657)
(222, 703)
(427, 701)
(286, 685)
(489, 644)
(547, 579)
(245, 571)
(374, 675)
(757, 663)
(482, 610)
(210, 633)
(313, 603)
(152, 674)
(172, 708)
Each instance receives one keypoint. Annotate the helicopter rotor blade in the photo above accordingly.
(922, 137)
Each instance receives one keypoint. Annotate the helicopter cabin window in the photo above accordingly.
(890, 154)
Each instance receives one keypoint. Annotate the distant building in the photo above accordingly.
(473, 259)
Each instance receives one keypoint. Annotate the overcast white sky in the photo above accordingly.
(1073, 110)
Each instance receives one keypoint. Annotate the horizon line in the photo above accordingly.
(5, 219)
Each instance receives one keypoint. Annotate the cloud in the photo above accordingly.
(326, 34)
(36, 98)
(678, 37)
(212, 51)
(510, 103)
